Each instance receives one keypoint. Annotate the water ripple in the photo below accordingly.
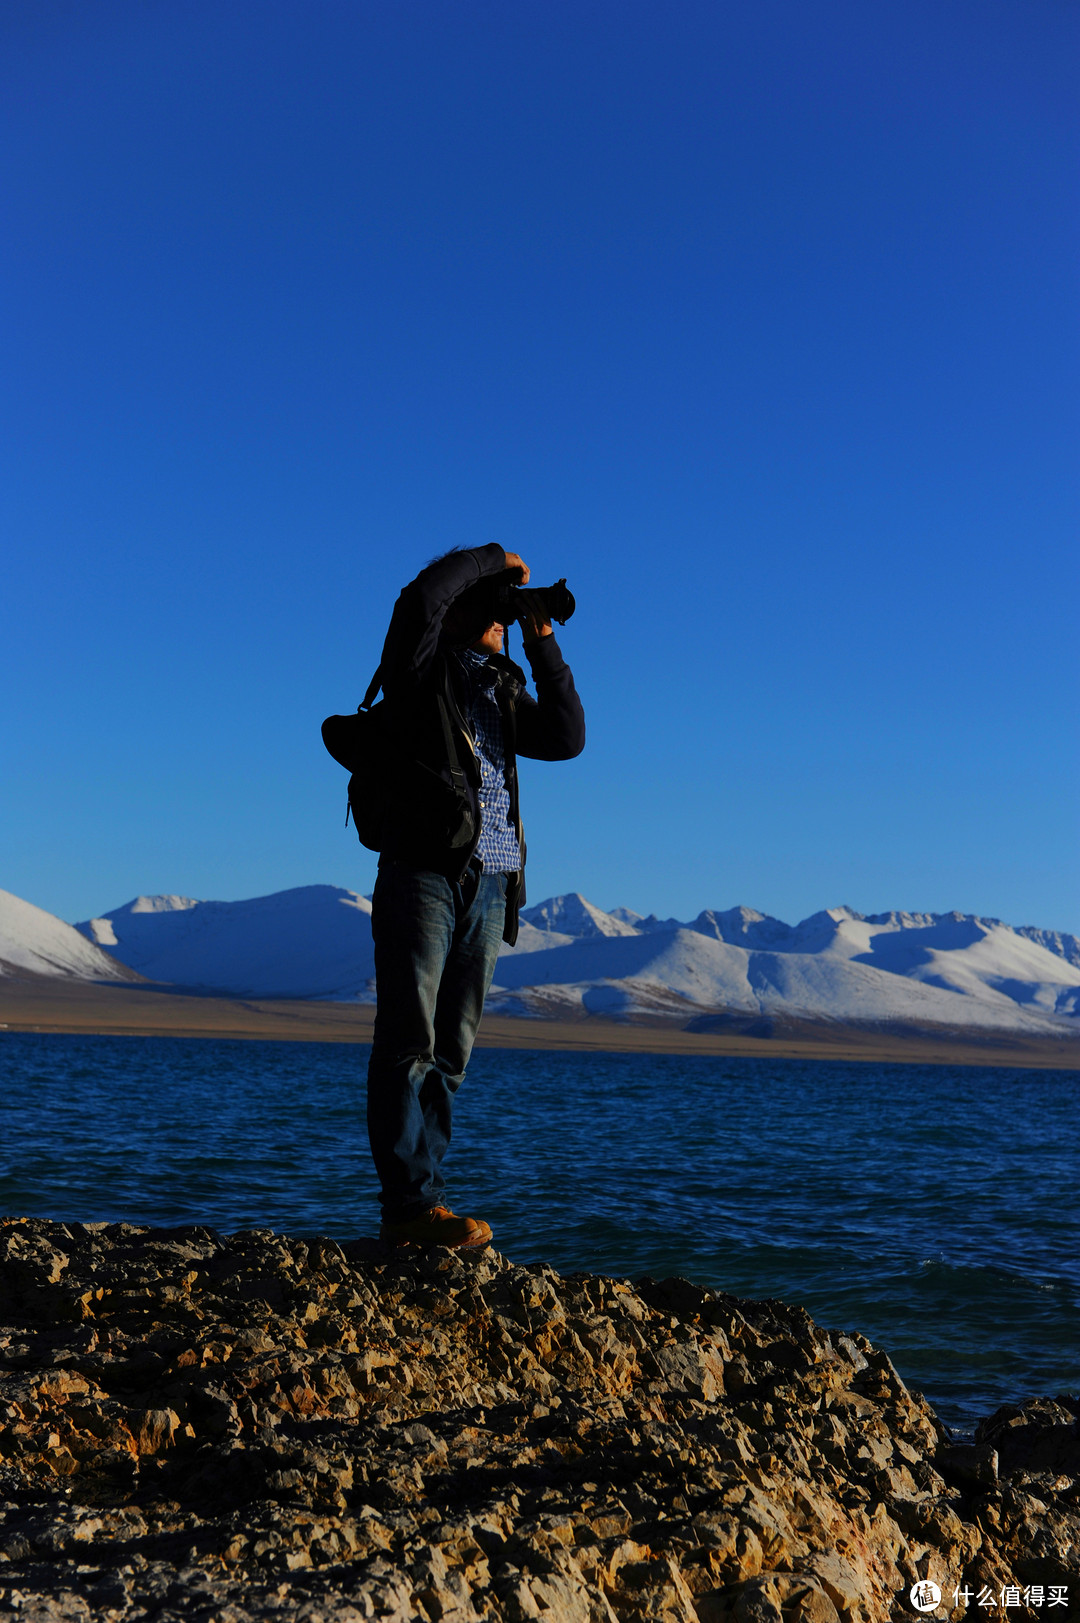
(930, 1207)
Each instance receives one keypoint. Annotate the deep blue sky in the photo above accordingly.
(758, 322)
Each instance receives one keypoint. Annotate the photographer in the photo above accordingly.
(451, 872)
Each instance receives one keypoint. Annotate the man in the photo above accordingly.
(451, 872)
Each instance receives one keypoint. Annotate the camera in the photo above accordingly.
(500, 600)
(509, 603)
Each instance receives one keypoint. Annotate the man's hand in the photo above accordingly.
(533, 629)
(532, 619)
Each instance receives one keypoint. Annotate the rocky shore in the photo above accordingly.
(195, 1426)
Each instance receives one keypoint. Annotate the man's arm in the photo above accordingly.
(550, 727)
(421, 608)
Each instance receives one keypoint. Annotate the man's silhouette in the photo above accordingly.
(451, 873)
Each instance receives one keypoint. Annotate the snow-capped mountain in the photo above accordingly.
(314, 941)
(928, 969)
(743, 927)
(572, 957)
(573, 916)
(38, 943)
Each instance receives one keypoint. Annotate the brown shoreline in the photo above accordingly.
(50, 1004)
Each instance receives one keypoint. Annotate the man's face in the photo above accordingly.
(492, 640)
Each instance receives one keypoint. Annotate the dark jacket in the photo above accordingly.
(432, 821)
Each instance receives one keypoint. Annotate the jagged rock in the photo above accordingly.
(260, 1426)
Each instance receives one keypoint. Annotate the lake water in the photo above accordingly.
(934, 1208)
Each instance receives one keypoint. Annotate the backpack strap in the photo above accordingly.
(457, 776)
(373, 687)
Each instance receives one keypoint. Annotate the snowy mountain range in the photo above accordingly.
(573, 958)
(928, 969)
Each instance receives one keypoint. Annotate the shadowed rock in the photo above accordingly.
(258, 1426)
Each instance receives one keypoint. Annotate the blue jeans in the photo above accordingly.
(435, 950)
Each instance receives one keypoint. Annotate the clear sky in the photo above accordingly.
(756, 321)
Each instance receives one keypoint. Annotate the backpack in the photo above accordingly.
(361, 744)
(368, 745)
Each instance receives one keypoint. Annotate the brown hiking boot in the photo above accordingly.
(438, 1226)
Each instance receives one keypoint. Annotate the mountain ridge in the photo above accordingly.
(711, 922)
(574, 959)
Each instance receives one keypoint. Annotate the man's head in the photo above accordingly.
(469, 624)
(470, 620)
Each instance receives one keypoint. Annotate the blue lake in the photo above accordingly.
(931, 1207)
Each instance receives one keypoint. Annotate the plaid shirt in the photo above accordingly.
(498, 850)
